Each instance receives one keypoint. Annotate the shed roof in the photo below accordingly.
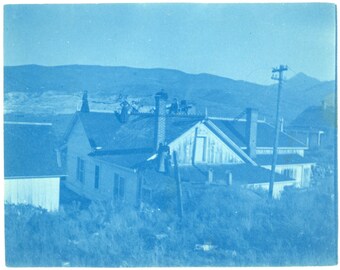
(30, 150)
(241, 173)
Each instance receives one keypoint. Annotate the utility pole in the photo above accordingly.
(179, 186)
(279, 78)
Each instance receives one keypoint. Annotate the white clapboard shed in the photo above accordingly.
(32, 175)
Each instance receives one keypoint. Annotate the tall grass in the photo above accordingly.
(241, 227)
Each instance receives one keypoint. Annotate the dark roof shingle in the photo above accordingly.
(236, 130)
(315, 118)
(30, 150)
(59, 121)
(241, 173)
(106, 131)
(129, 144)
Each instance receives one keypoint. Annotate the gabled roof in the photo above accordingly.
(236, 130)
(218, 132)
(112, 140)
(105, 131)
(127, 144)
(30, 150)
(315, 118)
(285, 159)
(59, 121)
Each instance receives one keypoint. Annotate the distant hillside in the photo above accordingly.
(58, 89)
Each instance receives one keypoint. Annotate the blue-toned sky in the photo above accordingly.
(239, 41)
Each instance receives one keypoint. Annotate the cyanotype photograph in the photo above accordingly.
(170, 135)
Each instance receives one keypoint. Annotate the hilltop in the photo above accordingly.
(57, 89)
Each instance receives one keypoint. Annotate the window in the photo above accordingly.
(80, 170)
(96, 177)
(118, 187)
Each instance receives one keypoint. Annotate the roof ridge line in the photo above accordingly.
(233, 119)
(241, 152)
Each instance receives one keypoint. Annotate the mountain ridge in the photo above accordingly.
(223, 96)
(299, 75)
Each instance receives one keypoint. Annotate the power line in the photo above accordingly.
(292, 70)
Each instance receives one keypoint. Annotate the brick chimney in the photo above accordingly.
(251, 131)
(85, 103)
(160, 119)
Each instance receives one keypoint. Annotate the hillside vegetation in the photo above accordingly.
(233, 227)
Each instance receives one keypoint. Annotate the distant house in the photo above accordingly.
(122, 156)
(315, 126)
(32, 175)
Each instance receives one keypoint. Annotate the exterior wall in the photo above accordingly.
(215, 150)
(269, 151)
(277, 189)
(105, 190)
(301, 173)
(39, 192)
(314, 138)
(78, 147)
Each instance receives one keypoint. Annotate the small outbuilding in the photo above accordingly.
(32, 174)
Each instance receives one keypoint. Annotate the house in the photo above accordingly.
(121, 155)
(32, 174)
(316, 126)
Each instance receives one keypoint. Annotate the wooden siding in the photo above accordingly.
(301, 172)
(105, 188)
(39, 192)
(215, 150)
(79, 147)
